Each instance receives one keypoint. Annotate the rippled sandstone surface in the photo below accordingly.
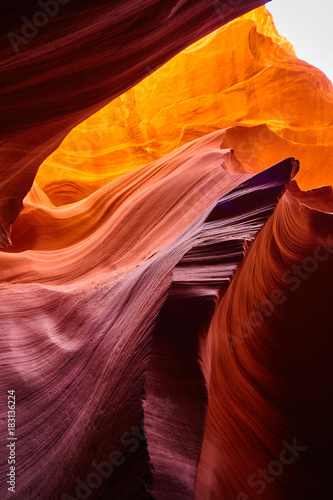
(56, 75)
(165, 305)
(244, 78)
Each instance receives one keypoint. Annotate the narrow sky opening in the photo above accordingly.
(309, 27)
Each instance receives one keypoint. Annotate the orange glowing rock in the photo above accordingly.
(129, 219)
(52, 79)
(244, 76)
(152, 305)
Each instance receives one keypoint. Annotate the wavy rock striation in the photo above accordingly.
(269, 349)
(60, 68)
(244, 78)
(198, 281)
(149, 359)
(83, 356)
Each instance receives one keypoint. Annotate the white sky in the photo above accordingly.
(308, 25)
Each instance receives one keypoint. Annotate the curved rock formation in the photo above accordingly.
(84, 354)
(129, 219)
(244, 77)
(269, 349)
(63, 62)
(199, 279)
(149, 358)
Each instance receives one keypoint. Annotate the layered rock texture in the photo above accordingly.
(165, 312)
(63, 62)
